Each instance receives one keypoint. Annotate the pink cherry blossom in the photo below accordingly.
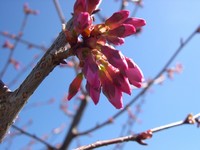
(104, 68)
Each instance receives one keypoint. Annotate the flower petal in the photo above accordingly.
(79, 6)
(115, 57)
(117, 19)
(134, 73)
(92, 5)
(94, 92)
(82, 21)
(115, 40)
(136, 22)
(75, 86)
(122, 31)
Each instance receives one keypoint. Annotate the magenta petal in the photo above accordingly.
(94, 92)
(117, 19)
(135, 77)
(122, 31)
(92, 5)
(90, 71)
(136, 22)
(122, 83)
(82, 21)
(110, 90)
(115, 57)
(79, 6)
(116, 100)
(134, 73)
(115, 40)
(75, 86)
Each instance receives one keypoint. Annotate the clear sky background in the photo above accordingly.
(167, 22)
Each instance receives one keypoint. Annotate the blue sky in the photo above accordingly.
(167, 22)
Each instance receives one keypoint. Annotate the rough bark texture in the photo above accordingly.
(11, 103)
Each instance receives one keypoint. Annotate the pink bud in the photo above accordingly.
(117, 19)
(28, 11)
(115, 40)
(79, 6)
(122, 31)
(15, 63)
(94, 92)
(9, 45)
(119, 80)
(136, 22)
(82, 21)
(75, 86)
(92, 5)
(113, 93)
(134, 73)
(115, 57)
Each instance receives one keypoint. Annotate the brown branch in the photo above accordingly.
(59, 11)
(12, 103)
(180, 48)
(190, 119)
(34, 137)
(72, 132)
(3, 88)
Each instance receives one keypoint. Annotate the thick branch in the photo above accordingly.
(3, 88)
(11, 103)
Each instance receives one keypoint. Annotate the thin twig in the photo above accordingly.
(20, 33)
(14, 80)
(190, 119)
(34, 137)
(59, 11)
(16, 38)
(182, 45)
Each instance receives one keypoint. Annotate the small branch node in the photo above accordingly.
(143, 136)
(190, 119)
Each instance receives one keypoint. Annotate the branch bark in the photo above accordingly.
(11, 103)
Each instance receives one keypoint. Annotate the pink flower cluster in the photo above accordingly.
(105, 68)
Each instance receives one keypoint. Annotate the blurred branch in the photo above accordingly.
(50, 147)
(180, 48)
(16, 38)
(14, 80)
(72, 132)
(20, 33)
(59, 11)
(139, 138)
(12, 103)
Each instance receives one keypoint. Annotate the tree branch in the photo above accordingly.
(3, 88)
(59, 11)
(15, 45)
(72, 133)
(190, 119)
(50, 147)
(12, 103)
